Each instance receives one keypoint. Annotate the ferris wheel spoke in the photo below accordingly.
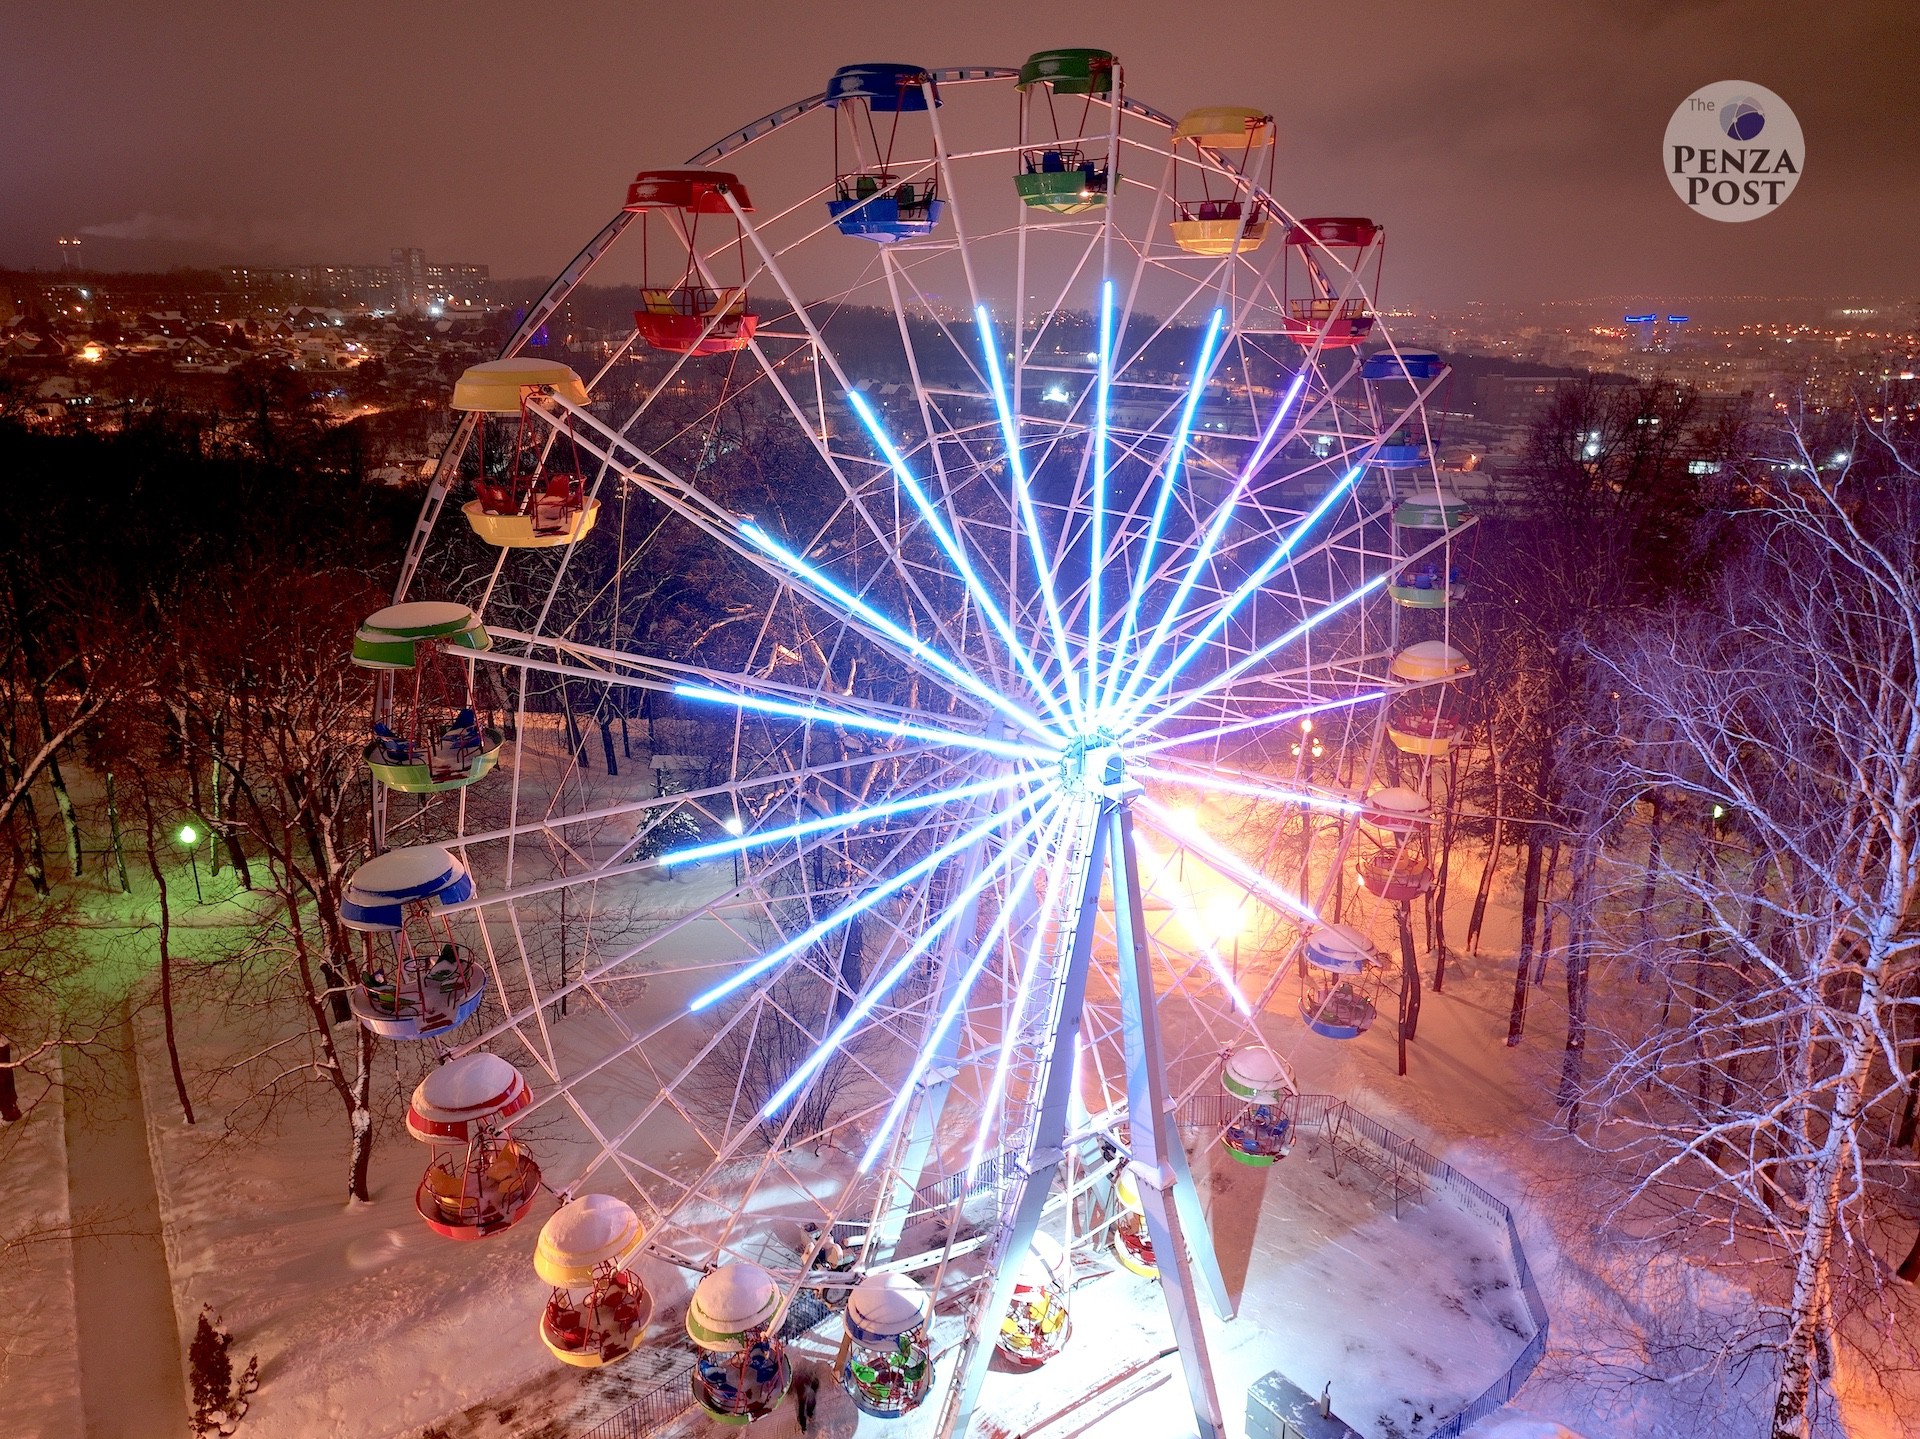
(823, 351)
(1169, 477)
(1198, 927)
(1271, 647)
(1246, 590)
(960, 905)
(849, 820)
(931, 1043)
(1097, 494)
(1029, 521)
(1251, 787)
(1241, 726)
(957, 554)
(1170, 826)
(671, 673)
(916, 648)
(864, 902)
(856, 719)
(1056, 900)
(1175, 606)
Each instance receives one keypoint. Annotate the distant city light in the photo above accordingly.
(1056, 394)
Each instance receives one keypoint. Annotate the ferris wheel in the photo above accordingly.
(995, 488)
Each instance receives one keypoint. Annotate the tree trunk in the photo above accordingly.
(1643, 969)
(1529, 912)
(1440, 877)
(69, 821)
(354, 1094)
(1483, 891)
(1494, 842)
(1579, 932)
(9, 1091)
(1909, 1269)
(1810, 1309)
(229, 833)
(62, 800)
(166, 963)
(1545, 947)
(1409, 984)
(576, 741)
(360, 1158)
(34, 853)
(1910, 1111)
(606, 743)
(119, 844)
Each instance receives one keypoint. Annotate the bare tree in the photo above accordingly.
(1751, 1094)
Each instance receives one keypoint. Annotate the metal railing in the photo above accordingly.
(669, 1398)
(1341, 1124)
(1324, 1115)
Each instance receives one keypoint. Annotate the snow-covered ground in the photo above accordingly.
(39, 1354)
(368, 1326)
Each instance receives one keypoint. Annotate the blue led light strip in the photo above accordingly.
(865, 902)
(1055, 899)
(852, 720)
(1236, 726)
(1248, 588)
(1179, 898)
(823, 582)
(1029, 520)
(1226, 862)
(867, 1002)
(957, 553)
(760, 838)
(1169, 481)
(1256, 791)
(930, 1045)
(1097, 519)
(1240, 667)
(1176, 607)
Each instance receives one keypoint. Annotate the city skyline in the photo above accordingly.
(1514, 157)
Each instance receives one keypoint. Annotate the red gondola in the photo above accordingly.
(1323, 307)
(699, 312)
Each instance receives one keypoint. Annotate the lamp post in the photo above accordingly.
(734, 825)
(189, 836)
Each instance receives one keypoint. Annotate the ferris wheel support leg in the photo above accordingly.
(1044, 1155)
(1158, 1160)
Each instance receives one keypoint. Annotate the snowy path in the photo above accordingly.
(130, 1356)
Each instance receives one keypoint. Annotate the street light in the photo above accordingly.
(190, 837)
(734, 825)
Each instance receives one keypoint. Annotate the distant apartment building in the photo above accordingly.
(409, 279)
(418, 287)
(1512, 399)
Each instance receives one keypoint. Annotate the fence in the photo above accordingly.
(1338, 1122)
(1341, 1124)
(669, 1398)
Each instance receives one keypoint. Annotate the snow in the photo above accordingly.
(39, 1352)
(1520, 1427)
(368, 1326)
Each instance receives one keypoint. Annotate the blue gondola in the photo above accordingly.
(872, 201)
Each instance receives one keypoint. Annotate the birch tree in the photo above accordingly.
(1753, 1094)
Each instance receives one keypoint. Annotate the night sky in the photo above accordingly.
(1512, 148)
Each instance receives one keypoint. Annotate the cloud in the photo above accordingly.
(148, 226)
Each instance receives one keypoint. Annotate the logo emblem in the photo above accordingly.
(1733, 151)
(1742, 119)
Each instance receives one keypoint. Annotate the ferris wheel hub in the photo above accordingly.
(1092, 765)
